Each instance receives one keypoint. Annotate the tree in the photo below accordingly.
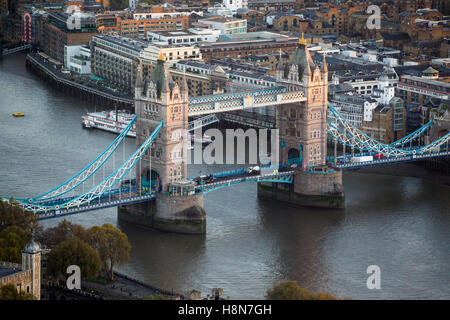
(12, 241)
(11, 214)
(10, 292)
(156, 297)
(112, 246)
(290, 290)
(65, 230)
(74, 251)
(118, 4)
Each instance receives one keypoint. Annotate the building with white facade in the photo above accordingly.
(161, 15)
(188, 36)
(172, 53)
(225, 25)
(132, 4)
(384, 91)
(77, 59)
(233, 5)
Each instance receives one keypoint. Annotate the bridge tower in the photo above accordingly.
(164, 166)
(303, 136)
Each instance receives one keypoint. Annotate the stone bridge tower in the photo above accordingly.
(157, 98)
(303, 136)
(303, 126)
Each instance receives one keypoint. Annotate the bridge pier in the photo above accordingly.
(320, 190)
(180, 214)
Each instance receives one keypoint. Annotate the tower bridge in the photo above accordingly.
(151, 188)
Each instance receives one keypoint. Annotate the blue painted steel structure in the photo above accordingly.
(56, 202)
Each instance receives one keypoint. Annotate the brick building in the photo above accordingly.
(252, 43)
(59, 32)
(138, 28)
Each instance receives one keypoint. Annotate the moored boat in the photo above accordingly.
(110, 121)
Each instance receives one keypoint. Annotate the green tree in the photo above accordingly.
(11, 214)
(10, 292)
(65, 230)
(118, 4)
(112, 246)
(74, 251)
(156, 297)
(12, 241)
(290, 290)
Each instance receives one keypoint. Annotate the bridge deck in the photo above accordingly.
(127, 198)
(392, 160)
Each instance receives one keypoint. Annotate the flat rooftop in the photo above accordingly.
(183, 32)
(131, 43)
(426, 80)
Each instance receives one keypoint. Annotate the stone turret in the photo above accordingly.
(303, 136)
(157, 98)
(31, 260)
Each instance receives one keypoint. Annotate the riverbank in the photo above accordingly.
(127, 288)
(78, 86)
(410, 169)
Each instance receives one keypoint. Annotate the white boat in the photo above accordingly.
(117, 122)
(109, 121)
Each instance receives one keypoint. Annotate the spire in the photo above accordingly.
(304, 61)
(280, 62)
(184, 86)
(139, 80)
(324, 65)
(161, 56)
(161, 76)
(302, 41)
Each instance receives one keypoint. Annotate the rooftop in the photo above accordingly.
(221, 19)
(7, 271)
(442, 84)
(131, 43)
(183, 32)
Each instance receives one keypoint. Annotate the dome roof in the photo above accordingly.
(430, 70)
(32, 247)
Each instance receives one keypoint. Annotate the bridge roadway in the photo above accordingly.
(126, 196)
(205, 184)
(347, 164)
(216, 181)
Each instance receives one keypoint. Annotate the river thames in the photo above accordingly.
(401, 224)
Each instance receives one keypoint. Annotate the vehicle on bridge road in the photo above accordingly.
(361, 159)
(253, 170)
